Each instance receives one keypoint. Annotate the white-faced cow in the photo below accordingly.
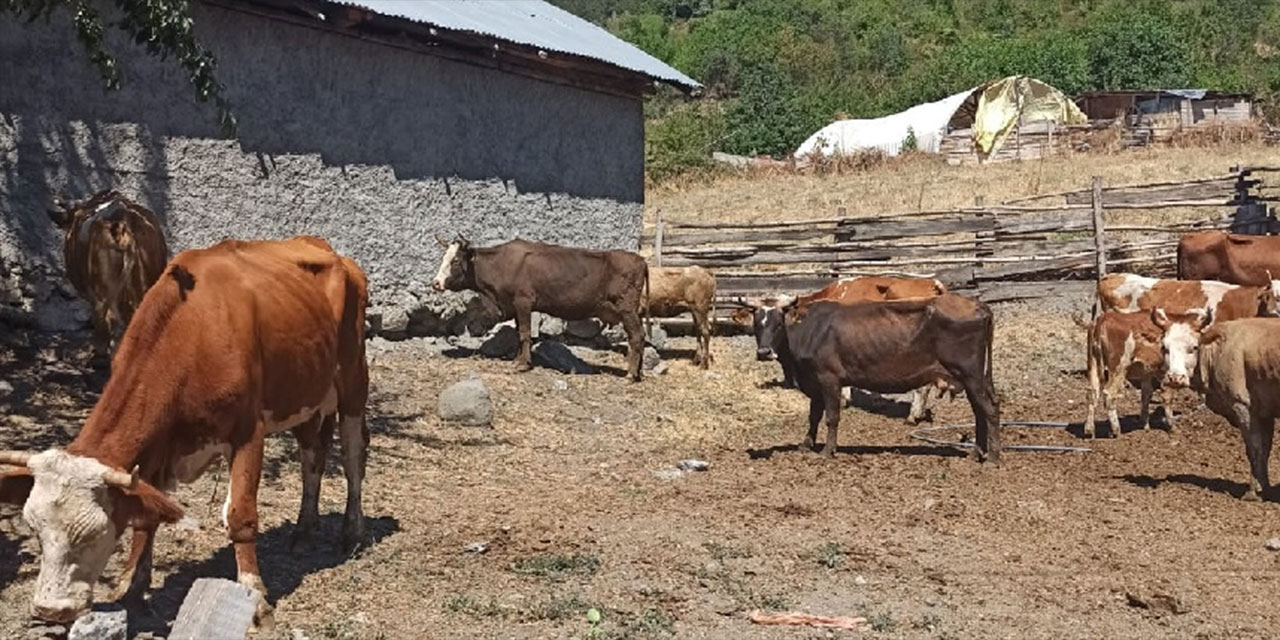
(675, 290)
(235, 342)
(1129, 292)
(765, 319)
(521, 277)
(113, 250)
(1238, 259)
(1123, 347)
(894, 347)
(1236, 365)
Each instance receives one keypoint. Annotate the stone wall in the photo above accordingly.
(374, 148)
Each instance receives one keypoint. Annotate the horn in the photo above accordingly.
(15, 458)
(440, 241)
(121, 479)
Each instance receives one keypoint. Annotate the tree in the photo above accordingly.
(163, 27)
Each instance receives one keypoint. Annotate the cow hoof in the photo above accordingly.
(829, 451)
(808, 444)
(1251, 496)
(522, 367)
(264, 619)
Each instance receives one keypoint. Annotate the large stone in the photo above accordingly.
(651, 358)
(548, 326)
(215, 609)
(554, 355)
(101, 624)
(583, 329)
(503, 344)
(467, 402)
(657, 337)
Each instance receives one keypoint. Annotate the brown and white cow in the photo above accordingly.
(675, 290)
(1130, 292)
(113, 250)
(1228, 257)
(521, 277)
(765, 318)
(235, 342)
(1236, 365)
(893, 347)
(1123, 347)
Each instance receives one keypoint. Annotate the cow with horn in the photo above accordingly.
(233, 343)
(521, 277)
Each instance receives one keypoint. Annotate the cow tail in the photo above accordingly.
(988, 371)
(648, 329)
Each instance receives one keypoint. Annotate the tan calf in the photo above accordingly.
(675, 290)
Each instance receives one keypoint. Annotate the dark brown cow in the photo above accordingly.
(1228, 257)
(894, 347)
(114, 250)
(235, 342)
(521, 277)
(674, 290)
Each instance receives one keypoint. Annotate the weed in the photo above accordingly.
(557, 566)
(345, 630)
(930, 621)
(721, 552)
(653, 624)
(882, 621)
(555, 608)
(830, 555)
(462, 603)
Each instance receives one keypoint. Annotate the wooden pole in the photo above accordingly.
(657, 241)
(983, 239)
(1099, 228)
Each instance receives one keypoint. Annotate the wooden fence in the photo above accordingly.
(1029, 247)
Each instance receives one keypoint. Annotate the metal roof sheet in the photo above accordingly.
(530, 22)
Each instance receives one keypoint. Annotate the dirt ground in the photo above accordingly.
(1144, 537)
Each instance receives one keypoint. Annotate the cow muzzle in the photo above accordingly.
(764, 354)
(1177, 380)
(58, 610)
(437, 285)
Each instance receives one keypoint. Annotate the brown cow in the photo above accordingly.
(765, 319)
(1129, 292)
(675, 290)
(1123, 346)
(521, 277)
(1233, 258)
(114, 250)
(1236, 365)
(893, 347)
(235, 342)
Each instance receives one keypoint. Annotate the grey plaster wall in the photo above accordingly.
(372, 147)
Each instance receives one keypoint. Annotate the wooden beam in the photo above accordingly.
(1099, 230)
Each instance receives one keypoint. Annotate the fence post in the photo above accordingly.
(1099, 228)
(983, 239)
(657, 241)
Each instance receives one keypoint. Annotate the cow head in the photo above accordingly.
(60, 212)
(1269, 299)
(1180, 343)
(456, 270)
(765, 319)
(77, 507)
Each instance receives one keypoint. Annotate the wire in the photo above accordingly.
(918, 434)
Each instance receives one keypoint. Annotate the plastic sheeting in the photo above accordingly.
(1014, 100)
(927, 121)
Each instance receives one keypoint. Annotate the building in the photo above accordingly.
(377, 125)
(1154, 116)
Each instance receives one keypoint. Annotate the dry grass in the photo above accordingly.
(923, 181)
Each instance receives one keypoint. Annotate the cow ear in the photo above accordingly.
(882, 289)
(1211, 336)
(1204, 318)
(145, 503)
(743, 316)
(1160, 319)
(15, 486)
(59, 212)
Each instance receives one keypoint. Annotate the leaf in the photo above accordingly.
(593, 616)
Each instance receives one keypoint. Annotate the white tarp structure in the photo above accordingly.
(927, 121)
(1001, 106)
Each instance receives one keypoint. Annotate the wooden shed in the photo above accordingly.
(1154, 116)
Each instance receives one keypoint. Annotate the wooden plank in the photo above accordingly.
(1075, 221)
(993, 292)
(1219, 190)
(1099, 230)
(874, 230)
(760, 235)
(215, 608)
(657, 241)
(1023, 268)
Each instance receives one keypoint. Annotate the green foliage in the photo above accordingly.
(777, 70)
(557, 566)
(162, 27)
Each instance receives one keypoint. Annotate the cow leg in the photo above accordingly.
(136, 578)
(816, 409)
(831, 403)
(1257, 446)
(986, 418)
(920, 404)
(242, 520)
(524, 324)
(1095, 390)
(353, 431)
(1144, 413)
(635, 344)
(1110, 390)
(1166, 405)
(703, 323)
(313, 437)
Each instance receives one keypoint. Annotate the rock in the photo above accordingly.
(554, 355)
(712, 375)
(560, 385)
(693, 464)
(187, 523)
(215, 608)
(1273, 544)
(583, 329)
(467, 402)
(391, 323)
(504, 344)
(668, 474)
(859, 580)
(477, 547)
(651, 358)
(1158, 603)
(46, 631)
(5, 388)
(550, 326)
(104, 624)
(661, 368)
(657, 337)
(613, 335)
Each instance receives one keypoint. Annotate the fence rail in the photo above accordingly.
(1034, 246)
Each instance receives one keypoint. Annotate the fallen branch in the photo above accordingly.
(806, 619)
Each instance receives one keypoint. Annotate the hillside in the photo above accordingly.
(777, 70)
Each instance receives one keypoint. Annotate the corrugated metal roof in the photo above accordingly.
(530, 22)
